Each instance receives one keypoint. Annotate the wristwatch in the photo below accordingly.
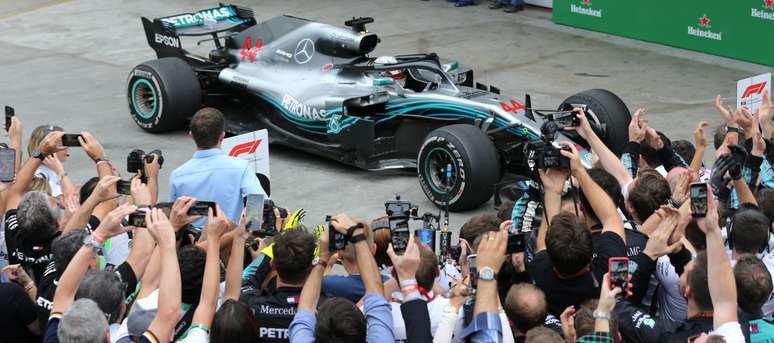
(38, 154)
(318, 262)
(600, 314)
(487, 274)
(91, 243)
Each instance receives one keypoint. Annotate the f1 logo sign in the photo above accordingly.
(247, 147)
(754, 89)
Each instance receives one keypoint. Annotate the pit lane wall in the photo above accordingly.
(740, 29)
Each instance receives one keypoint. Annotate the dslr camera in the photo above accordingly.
(137, 158)
(543, 154)
(398, 215)
(269, 218)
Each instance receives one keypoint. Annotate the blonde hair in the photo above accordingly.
(38, 134)
(39, 184)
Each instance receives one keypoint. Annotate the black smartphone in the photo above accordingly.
(254, 214)
(124, 187)
(200, 208)
(336, 240)
(699, 199)
(71, 139)
(137, 219)
(515, 243)
(9, 113)
(400, 237)
(427, 237)
(7, 165)
(618, 270)
(473, 271)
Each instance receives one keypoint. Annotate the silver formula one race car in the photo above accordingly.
(315, 87)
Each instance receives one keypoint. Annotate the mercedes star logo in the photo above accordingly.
(304, 51)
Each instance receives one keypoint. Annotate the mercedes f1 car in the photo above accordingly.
(315, 87)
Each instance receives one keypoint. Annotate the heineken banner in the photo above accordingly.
(740, 29)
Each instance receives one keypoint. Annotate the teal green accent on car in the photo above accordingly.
(137, 110)
(385, 81)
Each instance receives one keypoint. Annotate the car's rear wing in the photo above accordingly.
(164, 33)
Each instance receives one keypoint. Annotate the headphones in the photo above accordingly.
(730, 240)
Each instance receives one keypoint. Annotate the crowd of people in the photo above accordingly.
(86, 263)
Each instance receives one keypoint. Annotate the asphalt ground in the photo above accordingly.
(66, 63)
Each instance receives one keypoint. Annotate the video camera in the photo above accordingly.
(544, 154)
(398, 215)
(136, 157)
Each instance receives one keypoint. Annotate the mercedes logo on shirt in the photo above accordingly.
(304, 51)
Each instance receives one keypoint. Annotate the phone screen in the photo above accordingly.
(400, 237)
(427, 237)
(137, 219)
(473, 270)
(254, 211)
(200, 208)
(619, 272)
(124, 187)
(69, 139)
(9, 113)
(7, 165)
(336, 240)
(699, 199)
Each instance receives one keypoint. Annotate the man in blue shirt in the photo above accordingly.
(211, 175)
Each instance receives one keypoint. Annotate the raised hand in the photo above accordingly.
(573, 155)
(140, 192)
(710, 221)
(91, 146)
(406, 265)
(491, 250)
(584, 129)
(727, 113)
(341, 222)
(216, 225)
(178, 216)
(637, 126)
(698, 135)
(52, 143)
(106, 189)
(110, 225)
(160, 228)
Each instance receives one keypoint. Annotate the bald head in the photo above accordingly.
(525, 306)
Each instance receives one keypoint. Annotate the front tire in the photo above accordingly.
(474, 161)
(162, 93)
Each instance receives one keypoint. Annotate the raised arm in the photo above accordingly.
(600, 202)
(236, 261)
(162, 326)
(216, 225)
(701, 146)
(76, 269)
(96, 152)
(607, 158)
(365, 260)
(15, 136)
(553, 183)
(49, 145)
(103, 191)
(310, 294)
(152, 173)
(722, 288)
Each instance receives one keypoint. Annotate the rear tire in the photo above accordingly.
(475, 166)
(162, 93)
(605, 108)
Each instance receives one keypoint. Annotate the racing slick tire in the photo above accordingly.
(475, 166)
(162, 93)
(604, 107)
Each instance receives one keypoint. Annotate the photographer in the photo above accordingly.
(211, 174)
(338, 319)
(568, 266)
(351, 286)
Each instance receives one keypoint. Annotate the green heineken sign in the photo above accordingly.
(741, 29)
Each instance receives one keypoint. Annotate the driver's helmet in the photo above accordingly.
(395, 74)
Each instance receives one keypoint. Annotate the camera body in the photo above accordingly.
(269, 218)
(137, 158)
(399, 213)
(550, 157)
